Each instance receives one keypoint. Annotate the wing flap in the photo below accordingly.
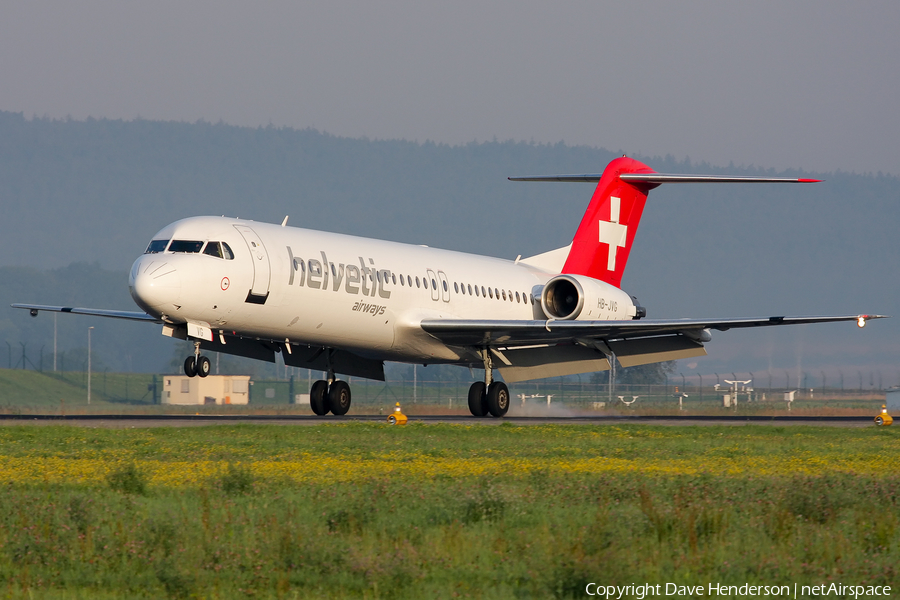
(550, 361)
(521, 364)
(644, 351)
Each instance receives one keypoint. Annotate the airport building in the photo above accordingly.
(215, 389)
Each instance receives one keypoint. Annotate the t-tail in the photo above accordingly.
(602, 243)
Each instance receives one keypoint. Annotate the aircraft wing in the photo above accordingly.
(491, 333)
(95, 312)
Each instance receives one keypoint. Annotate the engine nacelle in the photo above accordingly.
(576, 297)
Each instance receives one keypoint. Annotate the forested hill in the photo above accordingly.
(104, 187)
(95, 191)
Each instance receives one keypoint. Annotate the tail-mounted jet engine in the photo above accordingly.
(580, 298)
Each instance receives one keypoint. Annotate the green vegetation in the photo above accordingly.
(440, 511)
(64, 392)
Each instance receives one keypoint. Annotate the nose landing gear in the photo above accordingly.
(197, 365)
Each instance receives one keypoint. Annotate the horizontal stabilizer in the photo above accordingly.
(658, 178)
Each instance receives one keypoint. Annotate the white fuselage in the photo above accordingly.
(300, 286)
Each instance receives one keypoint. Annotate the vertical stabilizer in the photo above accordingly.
(603, 241)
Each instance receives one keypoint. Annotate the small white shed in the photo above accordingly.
(214, 389)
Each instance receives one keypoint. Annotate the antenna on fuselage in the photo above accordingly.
(284, 223)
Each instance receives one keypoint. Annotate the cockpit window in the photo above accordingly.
(187, 247)
(213, 249)
(156, 246)
(219, 250)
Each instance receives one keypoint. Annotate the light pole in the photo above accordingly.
(89, 364)
(750, 392)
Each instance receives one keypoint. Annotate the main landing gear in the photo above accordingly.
(196, 364)
(488, 397)
(330, 396)
(334, 398)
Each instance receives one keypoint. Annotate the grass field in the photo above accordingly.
(373, 511)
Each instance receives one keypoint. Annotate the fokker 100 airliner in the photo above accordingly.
(343, 305)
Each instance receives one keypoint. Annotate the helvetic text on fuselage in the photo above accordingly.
(363, 279)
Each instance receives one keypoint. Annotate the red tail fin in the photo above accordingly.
(603, 241)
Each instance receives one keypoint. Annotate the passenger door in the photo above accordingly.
(432, 283)
(445, 286)
(259, 290)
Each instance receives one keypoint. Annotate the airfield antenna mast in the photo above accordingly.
(89, 364)
(612, 375)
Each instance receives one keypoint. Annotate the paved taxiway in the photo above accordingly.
(132, 421)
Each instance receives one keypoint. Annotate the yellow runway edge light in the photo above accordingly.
(398, 418)
(883, 419)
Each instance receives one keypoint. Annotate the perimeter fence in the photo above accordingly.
(568, 393)
(31, 388)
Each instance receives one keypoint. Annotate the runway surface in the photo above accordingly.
(130, 421)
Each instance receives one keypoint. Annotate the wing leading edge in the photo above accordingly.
(94, 312)
(519, 333)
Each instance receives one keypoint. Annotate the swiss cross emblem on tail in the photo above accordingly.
(612, 232)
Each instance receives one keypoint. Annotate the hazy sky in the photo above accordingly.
(810, 84)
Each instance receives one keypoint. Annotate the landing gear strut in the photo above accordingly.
(196, 364)
(488, 397)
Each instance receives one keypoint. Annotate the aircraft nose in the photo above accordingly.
(155, 284)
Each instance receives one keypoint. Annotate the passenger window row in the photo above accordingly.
(464, 289)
